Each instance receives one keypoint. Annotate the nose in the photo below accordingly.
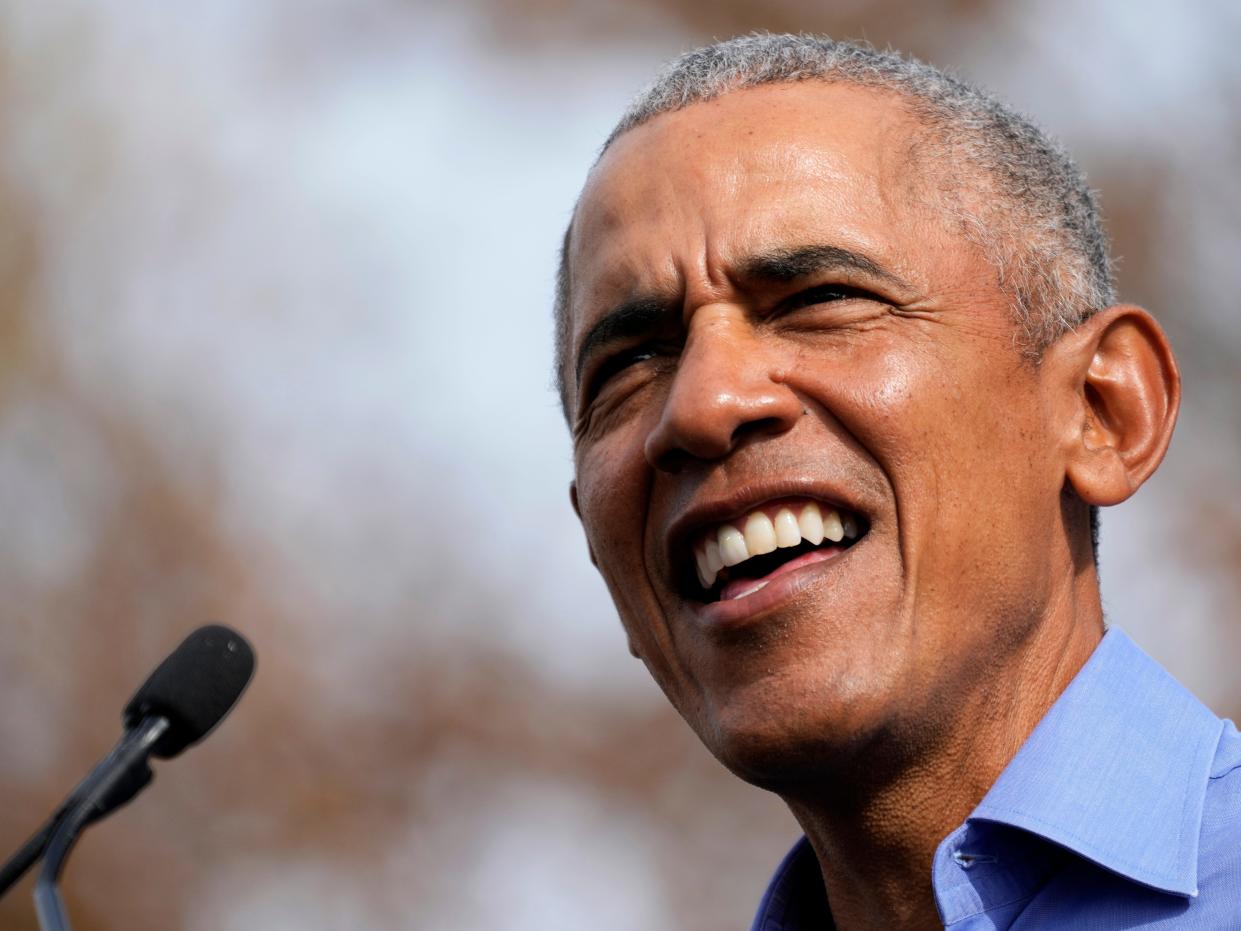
(729, 387)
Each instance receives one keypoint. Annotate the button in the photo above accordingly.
(967, 860)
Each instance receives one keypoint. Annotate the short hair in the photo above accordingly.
(1028, 206)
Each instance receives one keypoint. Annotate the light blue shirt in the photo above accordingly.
(1121, 810)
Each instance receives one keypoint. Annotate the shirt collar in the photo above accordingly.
(795, 900)
(1116, 771)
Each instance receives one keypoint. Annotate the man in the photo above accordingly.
(846, 378)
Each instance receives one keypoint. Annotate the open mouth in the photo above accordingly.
(740, 556)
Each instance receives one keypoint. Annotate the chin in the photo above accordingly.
(772, 752)
(791, 750)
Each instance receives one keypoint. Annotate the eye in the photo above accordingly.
(821, 294)
(617, 363)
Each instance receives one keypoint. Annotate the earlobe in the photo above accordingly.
(1129, 391)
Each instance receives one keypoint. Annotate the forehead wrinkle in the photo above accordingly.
(710, 279)
(649, 178)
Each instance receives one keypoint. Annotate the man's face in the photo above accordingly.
(771, 315)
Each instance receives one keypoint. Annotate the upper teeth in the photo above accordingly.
(761, 532)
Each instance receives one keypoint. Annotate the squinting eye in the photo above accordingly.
(823, 294)
(617, 363)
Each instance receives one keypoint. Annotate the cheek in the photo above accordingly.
(602, 463)
(965, 447)
(951, 418)
(955, 434)
(612, 491)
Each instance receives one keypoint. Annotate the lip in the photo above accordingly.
(722, 616)
(687, 525)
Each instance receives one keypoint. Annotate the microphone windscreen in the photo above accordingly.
(194, 687)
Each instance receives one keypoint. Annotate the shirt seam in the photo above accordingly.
(990, 908)
(1231, 769)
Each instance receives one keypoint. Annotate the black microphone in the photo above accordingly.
(187, 695)
(194, 688)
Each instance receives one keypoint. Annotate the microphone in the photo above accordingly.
(182, 701)
(193, 688)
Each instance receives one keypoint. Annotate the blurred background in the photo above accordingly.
(275, 351)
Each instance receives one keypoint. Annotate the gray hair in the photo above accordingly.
(1029, 210)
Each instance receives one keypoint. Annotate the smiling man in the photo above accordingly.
(847, 378)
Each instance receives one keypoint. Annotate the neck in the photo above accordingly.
(875, 839)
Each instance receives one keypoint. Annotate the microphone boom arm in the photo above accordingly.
(132, 752)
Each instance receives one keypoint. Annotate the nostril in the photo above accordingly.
(674, 443)
(710, 410)
(766, 426)
(672, 457)
(687, 433)
(671, 461)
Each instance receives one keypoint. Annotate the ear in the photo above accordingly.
(1128, 392)
(577, 509)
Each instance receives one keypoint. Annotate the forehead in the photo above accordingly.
(676, 202)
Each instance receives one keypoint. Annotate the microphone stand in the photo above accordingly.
(182, 701)
(133, 751)
(136, 779)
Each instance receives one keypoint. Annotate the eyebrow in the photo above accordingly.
(641, 315)
(782, 266)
